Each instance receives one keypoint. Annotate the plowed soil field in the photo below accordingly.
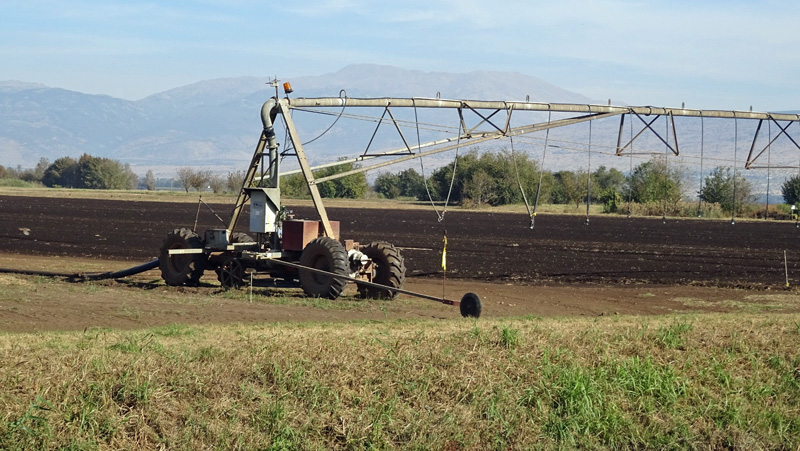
(494, 254)
(481, 246)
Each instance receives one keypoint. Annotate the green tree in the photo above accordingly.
(353, 186)
(653, 181)
(294, 186)
(608, 179)
(41, 166)
(480, 188)
(608, 183)
(791, 190)
(718, 187)
(440, 180)
(496, 178)
(611, 200)
(63, 172)
(105, 173)
(569, 187)
(387, 185)
(411, 183)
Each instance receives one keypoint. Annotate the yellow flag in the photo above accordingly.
(444, 253)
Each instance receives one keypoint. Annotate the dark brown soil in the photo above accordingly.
(481, 246)
(561, 268)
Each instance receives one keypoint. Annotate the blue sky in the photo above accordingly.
(709, 54)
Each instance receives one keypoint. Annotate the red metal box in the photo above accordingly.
(299, 232)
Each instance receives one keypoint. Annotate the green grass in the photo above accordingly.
(701, 381)
(17, 183)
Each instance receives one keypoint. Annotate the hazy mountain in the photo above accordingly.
(216, 123)
(212, 122)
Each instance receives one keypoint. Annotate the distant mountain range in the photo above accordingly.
(212, 123)
(215, 124)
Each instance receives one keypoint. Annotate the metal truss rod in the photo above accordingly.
(306, 168)
(751, 159)
(531, 106)
(620, 149)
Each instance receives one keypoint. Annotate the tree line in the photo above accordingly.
(86, 172)
(487, 178)
(501, 178)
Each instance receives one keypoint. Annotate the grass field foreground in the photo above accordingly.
(706, 381)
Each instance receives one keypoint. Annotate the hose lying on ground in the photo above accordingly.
(78, 277)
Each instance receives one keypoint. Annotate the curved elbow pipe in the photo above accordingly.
(268, 112)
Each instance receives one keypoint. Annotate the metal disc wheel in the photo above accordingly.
(388, 268)
(231, 274)
(471, 305)
(181, 269)
(325, 254)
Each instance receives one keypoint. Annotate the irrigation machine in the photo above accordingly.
(280, 247)
(309, 253)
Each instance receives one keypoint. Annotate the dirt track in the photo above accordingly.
(481, 246)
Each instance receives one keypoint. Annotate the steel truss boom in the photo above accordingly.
(488, 128)
(503, 130)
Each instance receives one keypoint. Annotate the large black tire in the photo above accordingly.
(241, 237)
(388, 268)
(329, 255)
(187, 269)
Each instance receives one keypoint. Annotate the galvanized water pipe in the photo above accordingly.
(532, 106)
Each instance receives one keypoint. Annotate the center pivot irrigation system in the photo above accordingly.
(309, 252)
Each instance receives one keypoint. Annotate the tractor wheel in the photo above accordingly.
(241, 237)
(186, 269)
(329, 255)
(231, 274)
(388, 268)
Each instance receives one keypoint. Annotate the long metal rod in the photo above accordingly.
(364, 282)
(309, 176)
(532, 106)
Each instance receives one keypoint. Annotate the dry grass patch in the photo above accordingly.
(752, 304)
(622, 382)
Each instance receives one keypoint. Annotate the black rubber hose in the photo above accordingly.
(79, 277)
(33, 272)
(122, 273)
